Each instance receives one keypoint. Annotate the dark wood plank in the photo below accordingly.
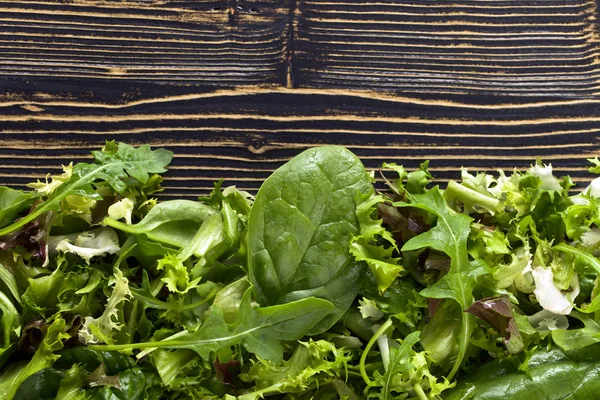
(235, 88)
(519, 48)
(242, 136)
(214, 43)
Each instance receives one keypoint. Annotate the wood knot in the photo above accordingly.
(257, 146)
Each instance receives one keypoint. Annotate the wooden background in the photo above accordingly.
(236, 87)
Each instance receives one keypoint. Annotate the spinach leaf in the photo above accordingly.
(173, 222)
(300, 228)
(42, 385)
(553, 376)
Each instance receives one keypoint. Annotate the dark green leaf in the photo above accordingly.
(300, 228)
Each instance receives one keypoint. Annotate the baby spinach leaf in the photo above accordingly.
(173, 222)
(300, 228)
(260, 330)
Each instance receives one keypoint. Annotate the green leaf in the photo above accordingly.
(173, 222)
(407, 372)
(10, 324)
(365, 247)
(43, 385)
(47, 293)
(552, 376)
(43, 358)
(145, 295)
(312, 364)
(73, 383)
(449, 235)
(109, 166)
(13, 203)
(595, 168)
(176, 275)
(260, 330)
(300, 228)
(10, 281)
(101, 328)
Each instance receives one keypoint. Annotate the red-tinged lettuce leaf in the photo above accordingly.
(497, 311)
(449, 234)
(33, 237)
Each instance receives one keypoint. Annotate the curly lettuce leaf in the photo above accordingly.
(365, 247)
(101, 329)
(312, 365)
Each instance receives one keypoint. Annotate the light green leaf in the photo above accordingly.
(260, 330)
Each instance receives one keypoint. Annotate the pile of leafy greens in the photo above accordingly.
(319, 288)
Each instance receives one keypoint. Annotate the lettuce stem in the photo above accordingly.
(589, 259)
(363, 357)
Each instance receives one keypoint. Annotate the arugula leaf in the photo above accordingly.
(260, 330)
(110, 166)
(450, 235)
(300, 228)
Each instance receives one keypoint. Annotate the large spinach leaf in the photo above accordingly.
(300, 228)
(554, 376)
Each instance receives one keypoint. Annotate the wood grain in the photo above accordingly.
(236, 88)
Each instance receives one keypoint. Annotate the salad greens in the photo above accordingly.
(320, 287)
